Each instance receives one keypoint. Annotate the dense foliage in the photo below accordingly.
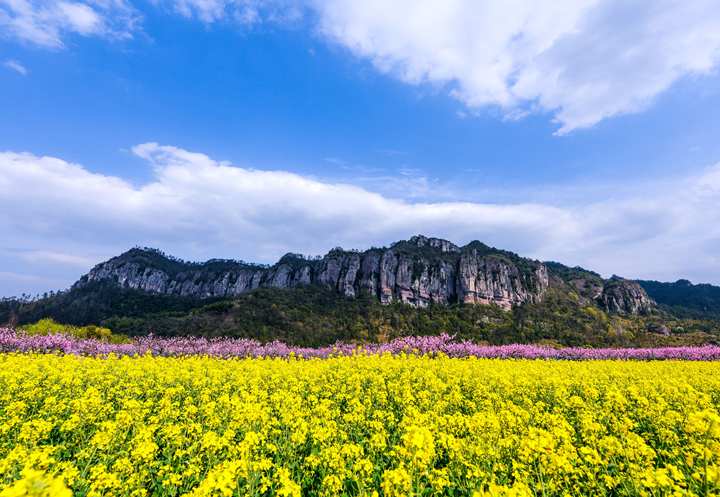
(313, 316)
(356, 426)
(92, 304)
(47, 327)
(684, 299)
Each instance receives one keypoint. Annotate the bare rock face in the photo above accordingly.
(131, 275)
(623, 296)
(338, 271)
(388, 271)
(369, 273)
(151, 271)
(418, 272)
(348, 276)
(494, 279)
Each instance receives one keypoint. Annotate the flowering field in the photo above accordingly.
(12, 341)
(363, 425)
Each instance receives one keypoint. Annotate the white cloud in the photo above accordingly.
(80, 18)
(16, 66)
(197, 208)
(53, 257)
(581, 60)
(21, 277)
(47, 22)
(246, 12)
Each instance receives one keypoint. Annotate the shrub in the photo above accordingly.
(48, 326)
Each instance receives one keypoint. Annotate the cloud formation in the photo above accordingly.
(16, 66)
(47, 22)
(245, 12)
(580, 61)
(196, 207)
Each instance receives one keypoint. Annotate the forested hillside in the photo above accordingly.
(421, 286)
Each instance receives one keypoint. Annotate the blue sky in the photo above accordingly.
(584, 132)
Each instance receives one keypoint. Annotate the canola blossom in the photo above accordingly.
(12, 341)
(356, 425)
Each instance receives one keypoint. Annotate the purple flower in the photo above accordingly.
(14, 341)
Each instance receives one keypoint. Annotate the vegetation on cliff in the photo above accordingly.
(313, 316)
(475, 292)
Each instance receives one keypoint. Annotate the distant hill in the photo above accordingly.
(418, 272)
(683, 299)
(418, 286)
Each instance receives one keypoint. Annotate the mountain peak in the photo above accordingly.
(418, 271)
(422, 241)
(143, 251)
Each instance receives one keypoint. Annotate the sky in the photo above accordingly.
(582, 131)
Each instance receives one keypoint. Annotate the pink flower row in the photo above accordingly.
(12, 341)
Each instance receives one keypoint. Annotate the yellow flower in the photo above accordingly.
(286, 486)
(37, 484)
(396, 482)
(363, 425)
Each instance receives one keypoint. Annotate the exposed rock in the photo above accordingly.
(419, 271)
(658, 328)
(388, 270)
(369, 277)
(492, 279)
(623, 296)
(348, 276)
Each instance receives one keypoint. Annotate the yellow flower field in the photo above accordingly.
(362, 425)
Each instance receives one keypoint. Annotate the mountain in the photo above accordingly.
(418, 272)
(684, 299)
(418, 286)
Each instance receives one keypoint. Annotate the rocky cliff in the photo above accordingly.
(418, 271)
(625, 297)
(616, 295)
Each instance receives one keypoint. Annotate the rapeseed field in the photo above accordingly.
(363, 425)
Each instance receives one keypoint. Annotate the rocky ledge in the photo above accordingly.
(418, 271)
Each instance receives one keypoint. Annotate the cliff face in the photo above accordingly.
(623, 296)
(616, 295)
(418, 272)
(135, 269)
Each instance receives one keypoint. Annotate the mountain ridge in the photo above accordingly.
(419, 286)
(419, 271)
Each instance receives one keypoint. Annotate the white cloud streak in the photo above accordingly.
(47, 22)
(580, 61)
(245, 12)
(16, 66)
(197, 207)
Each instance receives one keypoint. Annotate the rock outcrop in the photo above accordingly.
(623, 296)
(418, 272)
(486, 279)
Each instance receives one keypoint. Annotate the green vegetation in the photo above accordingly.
(685, 300)
(311, 316)
(572, 273)
(48, 326)
(93, 303)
